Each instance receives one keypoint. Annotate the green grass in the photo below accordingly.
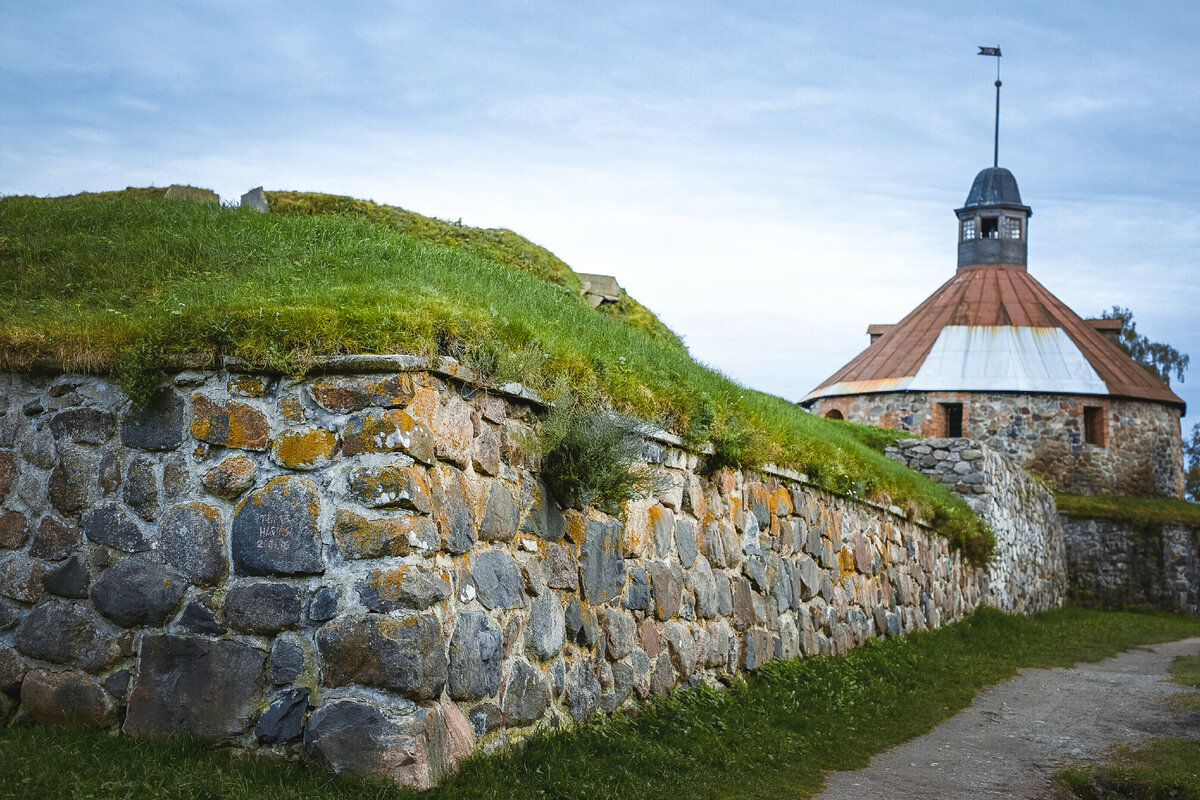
(1161, 769)
(113, 283)
(773, 736)
(1141, 513)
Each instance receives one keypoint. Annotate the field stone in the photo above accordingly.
(137, 591)
(70, 481)
(70, 580)
(546, 628)
(581, 624)
(662, 525)
(117, 684)
(485, 451)
(391, 487)
(403, 587)
(620, 634)
(11, 613)
(275, 530)
(526, 695)
(21, 577)
(638, 598)
(199, 618)
(287, 661)
(666, 587)
(455, 431)
(54, 541)
(14, 530)
(229, 424)
(141, 488)
(351, 737)
(485, 718)
(113, 527)
(66, 699)
(452, 509)
(757, 648)
(685, 542)
(199, 687)
(475, 652)
(499, 523)
(388, 432)
(83, 426)
(308, 449)
(12, 668)
(342, 395)
(682, 649)
(8, 472)
(283, 720)
(497, 579)
(262, 608)
(583, 690)
(158, 426)
(324, 604)
(662, 679)
(66, 633)
(404, 654)
(743, 603)
(562, 572)
(544, 519)
(807, 577)
(191, 539)
(704, 586)
(232, 477)
(601, 566)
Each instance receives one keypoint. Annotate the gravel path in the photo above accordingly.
(1015, 736)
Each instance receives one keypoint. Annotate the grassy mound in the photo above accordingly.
(121, 284)
(1140, 513)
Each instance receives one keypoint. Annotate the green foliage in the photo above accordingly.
(1140, 513)
(773, 735)
(1160, 769)
(877, 439)
(592, 456)
(1191, 457)
(132, 285)
(1161, 359)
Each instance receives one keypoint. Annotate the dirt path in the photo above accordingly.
(1015, 736)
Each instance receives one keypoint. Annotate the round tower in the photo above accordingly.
(993, 225)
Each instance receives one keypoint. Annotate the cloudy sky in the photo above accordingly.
(769, 177)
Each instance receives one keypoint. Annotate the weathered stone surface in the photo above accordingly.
(685, 542)
(192, 541)
(391, 487)
(757, 648)
(526, 695)
(342, 395)
(287, 661)
(83, 426)
(275, 530)
(12, 669)
(65, 633)
(308, 449)
(188, 685)
(283, 720)
(324, 604)
(743, 603)
(452, 509)
(712, 544)
(388, 432)
(113, 527)
(583, 690)
(141, 488)
(404, 654)
(455, 432)
(158, 426)
(620, 634)
(66, 699)
(262, 608)
(10, 614)
(475, 651)
(666, 587)
(581, 623)
(499, 523)
(70, 580)
(485, 718)
(14, 530)
(497, 579)
(230, 478)
(249, 385)
(229, 424)
(546, 626)
(353, 738)
(199, 618)
(662, 526)
(638, 598)
(21, 577)
(117, 684)
(562, 571)
(703, 584)
(8, 472)
(601, 567)
(53, 540)
(137, 591)
(544, 519)
(485, 452)
(403, 587)
(807, 577)
(70, 479)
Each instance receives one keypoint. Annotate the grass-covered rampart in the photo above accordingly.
(773, 736)
(127, 285)
(1139, 513)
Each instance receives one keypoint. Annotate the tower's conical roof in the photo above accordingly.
(995, 328)
(994, 186)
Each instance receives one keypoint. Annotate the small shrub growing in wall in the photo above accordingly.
(592, 456)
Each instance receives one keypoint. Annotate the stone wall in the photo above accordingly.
(1142, 455)
(1112, 564)
(365, 570)
(1028, 572)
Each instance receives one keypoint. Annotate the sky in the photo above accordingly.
(768, 177)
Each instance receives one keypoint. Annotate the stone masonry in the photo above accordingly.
(365, 570)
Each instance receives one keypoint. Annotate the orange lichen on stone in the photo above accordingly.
(230, 424)
(291, 409)
(342, 395)
(231, 477)
(306, 449)
(845, 562)
(249, 385)
(781, 503)
(635, 532)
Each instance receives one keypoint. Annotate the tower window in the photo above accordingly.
(953, 414)
(1012, 228)
(969, 229)
(989, 227)
(1093, 426)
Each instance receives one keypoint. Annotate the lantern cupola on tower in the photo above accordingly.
(993, 225)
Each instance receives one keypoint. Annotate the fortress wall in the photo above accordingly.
(1112, 564)
(365, 570)
(1140, 457)
(1029, 570)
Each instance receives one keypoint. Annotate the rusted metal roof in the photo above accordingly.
(1074, 358)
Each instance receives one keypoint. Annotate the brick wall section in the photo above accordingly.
(365, 570)
(1028, 572)
(1113, 565)
(1141, 457)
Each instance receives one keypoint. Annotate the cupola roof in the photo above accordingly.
(994, 186)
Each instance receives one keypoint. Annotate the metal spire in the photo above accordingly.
(995, 51)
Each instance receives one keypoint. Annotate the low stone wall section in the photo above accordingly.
(1112, 564)
(367, 572)
(1028, 572)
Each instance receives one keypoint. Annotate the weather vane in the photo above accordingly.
(995, 51)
